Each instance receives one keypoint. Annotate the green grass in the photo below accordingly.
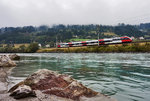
(133, 47)
(72, 40)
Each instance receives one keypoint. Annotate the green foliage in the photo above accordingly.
(104, 49)
(22, 49)
(76, 39)
(7, 49)
(45, 34)
(33, 47)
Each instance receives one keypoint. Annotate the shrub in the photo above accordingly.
(33, 47)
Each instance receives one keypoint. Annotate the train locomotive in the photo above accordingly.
(107, 41)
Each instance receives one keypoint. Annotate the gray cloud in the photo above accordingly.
(37, 12)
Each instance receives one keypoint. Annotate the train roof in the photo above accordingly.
(96, 40)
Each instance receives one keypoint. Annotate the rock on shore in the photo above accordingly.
(4, 81)
(14, 57)
(51, 83)
(5, 61)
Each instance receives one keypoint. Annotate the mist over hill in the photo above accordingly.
(63, 33)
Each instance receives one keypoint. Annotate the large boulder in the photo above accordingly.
(52, 83)
(5, 61)
(14, 57)
(23, 91)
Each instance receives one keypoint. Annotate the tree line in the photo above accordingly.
(63, 33)
(9, 48)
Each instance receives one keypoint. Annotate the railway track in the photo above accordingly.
(140, 41)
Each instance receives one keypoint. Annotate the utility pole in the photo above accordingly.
(98, 39)
(98, 28)
(56, 41)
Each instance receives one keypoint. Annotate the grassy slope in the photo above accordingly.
(132, 47)
(17, 45)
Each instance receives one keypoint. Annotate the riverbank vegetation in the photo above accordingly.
(24, 48)
(65, 33)
(133, 47)
(33, 47)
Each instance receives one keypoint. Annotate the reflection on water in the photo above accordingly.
(123, 76)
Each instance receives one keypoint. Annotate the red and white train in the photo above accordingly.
(115, 40)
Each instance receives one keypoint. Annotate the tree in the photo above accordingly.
(33, 47)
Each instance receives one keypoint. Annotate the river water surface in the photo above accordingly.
(124, 76)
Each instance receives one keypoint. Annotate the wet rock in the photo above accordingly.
(23, 91)
(14, 57)
(3, 80)
(5, 61)
(40, 97)
(52, 83)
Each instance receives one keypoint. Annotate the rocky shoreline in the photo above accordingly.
(6, 65)
(46, 85)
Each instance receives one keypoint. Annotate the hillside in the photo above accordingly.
(64, 33)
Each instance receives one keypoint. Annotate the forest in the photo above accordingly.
(64, 33)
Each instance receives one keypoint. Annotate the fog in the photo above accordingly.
(48, 12)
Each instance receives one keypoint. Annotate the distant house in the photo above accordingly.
(141, 38)
(75, 36)
(47, 46)
(132, 37)
(39, 45)
(88, 36)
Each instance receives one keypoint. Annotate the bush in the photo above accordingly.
(33, 47)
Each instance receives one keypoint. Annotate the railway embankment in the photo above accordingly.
(117, 48)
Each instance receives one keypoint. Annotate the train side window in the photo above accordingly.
(94, 42)
(108, 41)
(101, 41)
(84, 43)
(125, 39)
(116, 39)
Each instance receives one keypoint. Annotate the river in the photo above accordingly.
(124, 76)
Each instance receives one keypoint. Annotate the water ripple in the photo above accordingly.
(123, 76)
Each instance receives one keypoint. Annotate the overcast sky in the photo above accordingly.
(48, 12)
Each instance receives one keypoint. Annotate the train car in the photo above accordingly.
(107, 41)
